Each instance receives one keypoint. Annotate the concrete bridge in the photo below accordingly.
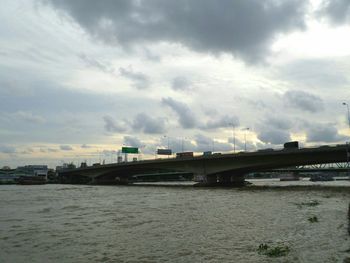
(216, 169)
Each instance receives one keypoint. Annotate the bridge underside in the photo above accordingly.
(228, 178)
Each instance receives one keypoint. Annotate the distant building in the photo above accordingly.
(65, 166)
(7, 176)
(32, 170)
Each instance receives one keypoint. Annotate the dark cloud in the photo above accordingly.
(204, 143)
(52, 150)
(303, 101)
(273, 136)
(240, 145)
(132, 141)
(324, 133)
(243, 28)
(279, 122)
(85, 146)
(199, 143)
(182, 144)
(186, 117)
(43, 150)
(337, 11)
(147, 124)
(181, 84)
(141, 123)
(94, 63)
(139, 79)
(7, 149)
(113, 126)
(54, 98)
(66, 148)
(70, 115)
(222, 122)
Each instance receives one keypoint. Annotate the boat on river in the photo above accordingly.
(289, 177)
(321, 177)
(32, 180)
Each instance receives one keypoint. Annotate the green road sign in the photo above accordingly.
(130, 150)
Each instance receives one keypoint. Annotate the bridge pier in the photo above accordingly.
(231, 180)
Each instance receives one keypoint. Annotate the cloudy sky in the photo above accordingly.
(80, 79)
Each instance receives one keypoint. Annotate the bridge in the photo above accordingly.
(215, 169)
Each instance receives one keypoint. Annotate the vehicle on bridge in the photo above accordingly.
(291, 145)
(184, 154)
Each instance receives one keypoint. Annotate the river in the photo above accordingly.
(80, 223)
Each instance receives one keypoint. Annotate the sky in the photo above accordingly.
(81, 79)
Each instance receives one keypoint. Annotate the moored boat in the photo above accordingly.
(289, 177)
(321, 177)
(32, 180)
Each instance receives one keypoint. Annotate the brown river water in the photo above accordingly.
(181, 223)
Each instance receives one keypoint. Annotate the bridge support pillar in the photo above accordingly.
(122, 180)
(205, 180)
(231, 180)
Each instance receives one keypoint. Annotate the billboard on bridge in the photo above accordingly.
(130, 150)
(164, 151)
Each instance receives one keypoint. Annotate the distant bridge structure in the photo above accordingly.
(215, 169)
(340, 167)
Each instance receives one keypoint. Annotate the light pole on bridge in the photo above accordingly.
(166, 136)
(348, 152)
(245, 138)
(347, 106)
(233, 137)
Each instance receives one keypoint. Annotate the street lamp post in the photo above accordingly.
(233, 137)
(166, 136)
(347, 106)
(348, 152)
(182, 144)
(245, 138)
